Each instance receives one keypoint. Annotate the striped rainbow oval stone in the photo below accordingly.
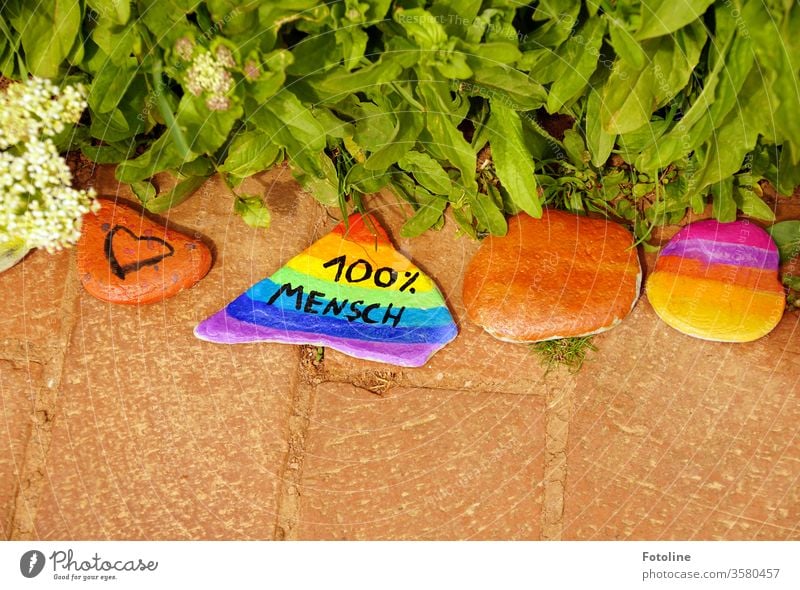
(718, 281)
(351, 291)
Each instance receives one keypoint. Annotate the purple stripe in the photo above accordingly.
(723, 253)
(735, 232)
(224, 329)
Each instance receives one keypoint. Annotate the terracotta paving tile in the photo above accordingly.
(422, 464)
(18, 386)
(31, 294)
(159, 435)
(474, 360)
(677, 438)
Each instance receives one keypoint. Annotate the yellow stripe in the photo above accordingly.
(713, 310)
(310, 263)
(332, 246)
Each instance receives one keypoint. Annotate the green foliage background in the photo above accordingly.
(675, 104)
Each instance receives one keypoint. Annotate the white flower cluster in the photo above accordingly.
(209, 74)
(37, 202)
(38, 108)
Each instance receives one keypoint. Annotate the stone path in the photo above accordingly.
(116, 423)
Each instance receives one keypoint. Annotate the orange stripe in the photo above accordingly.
(362, 228)
(742, 276)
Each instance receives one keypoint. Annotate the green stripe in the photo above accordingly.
(421, 300)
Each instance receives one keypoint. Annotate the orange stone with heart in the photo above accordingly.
(126, 257)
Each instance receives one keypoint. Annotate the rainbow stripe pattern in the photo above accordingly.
(351, 291)
(719, 281)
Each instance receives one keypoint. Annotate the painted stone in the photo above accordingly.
(718, 281)
(556, 277)
(351, 291)
(126, 257)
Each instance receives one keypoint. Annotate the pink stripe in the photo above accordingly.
(744, 233)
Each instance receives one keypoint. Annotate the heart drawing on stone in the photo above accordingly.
(120, 260)
(122, 249)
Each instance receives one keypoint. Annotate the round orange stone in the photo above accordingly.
(556, 277)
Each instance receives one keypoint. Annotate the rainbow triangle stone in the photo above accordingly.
(351, 291)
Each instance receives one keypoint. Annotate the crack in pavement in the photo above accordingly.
(560, 385)
(34, 464)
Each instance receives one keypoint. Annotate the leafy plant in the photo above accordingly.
(674, 105)
(787, 237)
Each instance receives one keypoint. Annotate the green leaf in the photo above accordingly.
(558, 16)
(340, 83)
(144, 190)
(502, 83)
(249, 153)
(446, 10)
(488, 213)
(365, 181)
(11, 54)
(421, 27)
(161, 155)
(788, 176)
(179, 193)
(429, 212)
(752, 205)
(625, 46)
(674, 58)
(732, 60)
(575, 148)
(627, 99)
(599, 143)
(631, 94)
(253, 210)
(512, 161)
(787, 237)
(447, 140)
(662, 17)
(110, 85)
(724, 205)
(580, 55)
(633, 142)
(165, 20)
(465, 221)
(48, 29)
(333, 126)
(427, 171)
(491, 52)
(374, 126)
(409, 125)
(610, 189)
(119, 11)
(115, 41)
(736, 136)
(297, 120)
(165, 109)
(204, 130)
(316, 174)
(106, 154)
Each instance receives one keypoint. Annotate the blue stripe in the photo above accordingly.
(248, 310)
(412, 316)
